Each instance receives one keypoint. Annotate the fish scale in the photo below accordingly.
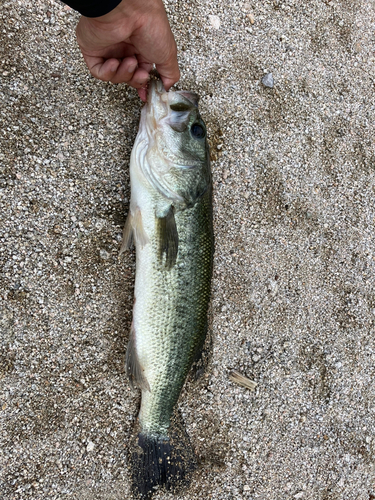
(177, 322)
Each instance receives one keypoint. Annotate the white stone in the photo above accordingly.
(90, 446)
(301, 494)
(104, 254)
(214, 21)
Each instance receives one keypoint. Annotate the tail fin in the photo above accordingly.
(159, 461)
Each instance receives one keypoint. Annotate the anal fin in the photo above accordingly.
(168, 237)
(134, 370)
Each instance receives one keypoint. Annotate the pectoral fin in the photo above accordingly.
(134, 370)
(133, 230)
(168, 238)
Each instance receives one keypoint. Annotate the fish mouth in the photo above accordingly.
(160, 101)
(156, 107)
(155, 88)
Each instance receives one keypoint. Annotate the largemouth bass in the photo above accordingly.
(170, 222)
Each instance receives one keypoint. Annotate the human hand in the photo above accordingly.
(123, 45)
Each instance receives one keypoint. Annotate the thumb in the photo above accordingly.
(169, 71)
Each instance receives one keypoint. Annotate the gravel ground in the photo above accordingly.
(293, 290)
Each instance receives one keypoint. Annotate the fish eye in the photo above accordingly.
(197, 131)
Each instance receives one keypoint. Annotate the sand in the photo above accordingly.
(293, 301)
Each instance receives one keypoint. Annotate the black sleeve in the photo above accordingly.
(92, 8)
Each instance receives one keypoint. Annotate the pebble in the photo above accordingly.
(66, 140)
(90, 446)
(267, 80)
(214, 21)
(300, 494)
(273, 287)
(104, 254)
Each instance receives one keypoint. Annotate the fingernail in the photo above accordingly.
(132, 67)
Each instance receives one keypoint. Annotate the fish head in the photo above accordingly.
(177, 158)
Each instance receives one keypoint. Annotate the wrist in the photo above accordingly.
(130, 10)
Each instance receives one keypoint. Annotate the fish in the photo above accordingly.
(170, 223)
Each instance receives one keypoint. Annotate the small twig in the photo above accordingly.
(239, 379)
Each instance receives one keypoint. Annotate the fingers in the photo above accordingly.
(168, 82)
(167, 63)
(101, 68)
(118, 71)
(143, 94)
(129, 71)
(135, 77)
(169, 71)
